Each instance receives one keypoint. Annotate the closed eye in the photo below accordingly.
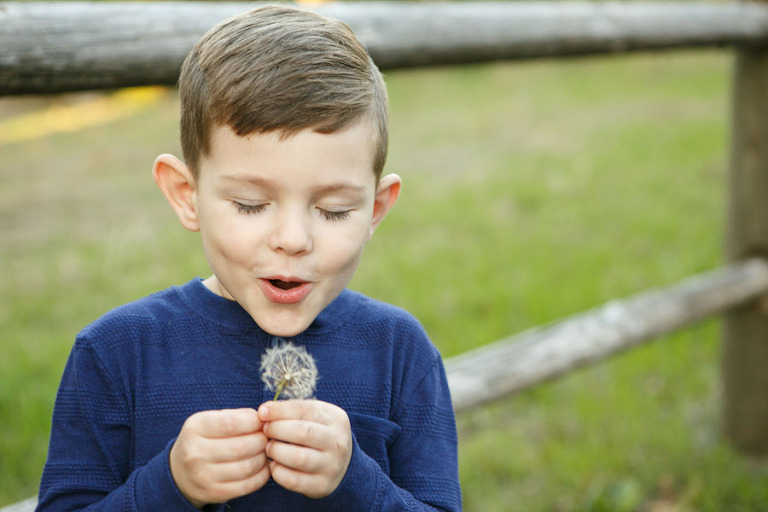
(334, 216)
(249, 208)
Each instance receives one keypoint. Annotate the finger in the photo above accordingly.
(300, 458)
(235, 448)
(237, 470)
(310, 410)
(204, 482)
(226, 423)
(225, 491)
(301, 432)
(308, 484)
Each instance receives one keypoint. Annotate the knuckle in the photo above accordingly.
(307, 431)
(344, 419)
(190, 456)
(343, 443)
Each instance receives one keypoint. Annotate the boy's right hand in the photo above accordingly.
(219, 455)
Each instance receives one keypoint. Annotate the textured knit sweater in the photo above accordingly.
(136, 374)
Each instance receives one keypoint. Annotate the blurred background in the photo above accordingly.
(532, 190)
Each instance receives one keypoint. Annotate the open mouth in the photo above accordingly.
(281, 291)
(284, 285)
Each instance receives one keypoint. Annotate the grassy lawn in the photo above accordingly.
(532, 191)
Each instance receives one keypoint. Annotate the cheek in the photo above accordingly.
(342, 252)
(224, 238)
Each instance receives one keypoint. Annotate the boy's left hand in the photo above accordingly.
(310, 444)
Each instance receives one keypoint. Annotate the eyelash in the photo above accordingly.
(250, 208)
(332, 216)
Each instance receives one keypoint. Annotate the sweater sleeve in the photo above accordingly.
(89, 464)
(423, 458)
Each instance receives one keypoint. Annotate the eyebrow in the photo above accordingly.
(248, 180)
(320, 189)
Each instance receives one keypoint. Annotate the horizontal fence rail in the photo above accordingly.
(526, 359)
(49, 47)
(27, 505)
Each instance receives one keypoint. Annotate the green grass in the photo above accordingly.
(532, 191)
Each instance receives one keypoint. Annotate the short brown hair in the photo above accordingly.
(279, 68)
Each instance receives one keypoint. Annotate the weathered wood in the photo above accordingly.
(521, 361)
(27, 505)
(62, 46)
(745, 330)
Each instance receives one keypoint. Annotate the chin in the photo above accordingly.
(284, 329)
(284, 333)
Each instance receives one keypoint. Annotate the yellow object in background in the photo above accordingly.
(62, 117)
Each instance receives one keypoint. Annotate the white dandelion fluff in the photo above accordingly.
(290, 371)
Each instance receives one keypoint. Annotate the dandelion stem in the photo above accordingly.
(280, 387)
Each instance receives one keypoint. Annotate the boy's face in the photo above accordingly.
(284, 221)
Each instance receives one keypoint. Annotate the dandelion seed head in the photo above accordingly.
(289, 371)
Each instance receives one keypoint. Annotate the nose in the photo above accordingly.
(291, 232)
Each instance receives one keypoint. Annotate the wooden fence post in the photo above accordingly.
(745, 329)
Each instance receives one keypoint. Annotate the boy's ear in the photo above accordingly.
(387, 193)
(178, 185)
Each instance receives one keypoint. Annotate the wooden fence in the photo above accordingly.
(55, 47)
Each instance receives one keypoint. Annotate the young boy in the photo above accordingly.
(161, 406)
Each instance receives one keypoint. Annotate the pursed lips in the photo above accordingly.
(285, 290)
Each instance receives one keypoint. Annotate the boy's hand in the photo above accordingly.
(219, 455)
(310, 444)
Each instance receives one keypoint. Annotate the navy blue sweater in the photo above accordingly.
(136, 374)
